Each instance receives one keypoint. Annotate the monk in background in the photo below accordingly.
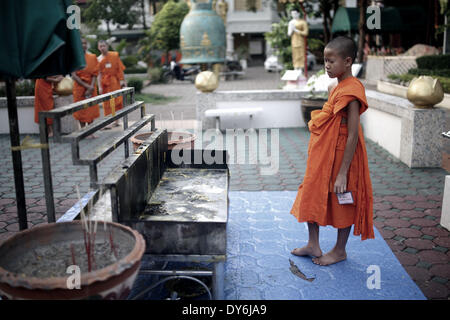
(337, 162)
(111, 76)
(85, 86)
(43, 98)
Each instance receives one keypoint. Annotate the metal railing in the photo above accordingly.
(129, 105)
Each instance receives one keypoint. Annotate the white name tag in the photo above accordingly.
(345, 198)
(108, 65)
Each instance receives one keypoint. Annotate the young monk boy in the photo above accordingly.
(85, 87)
(337, 162)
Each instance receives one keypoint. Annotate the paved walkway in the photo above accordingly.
(407, 205)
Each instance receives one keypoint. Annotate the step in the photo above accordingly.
(100, 153)
(97, 125)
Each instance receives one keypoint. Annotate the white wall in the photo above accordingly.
(275, 114)
(384, 129)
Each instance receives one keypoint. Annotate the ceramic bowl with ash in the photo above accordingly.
(182, 139)
(42, 262)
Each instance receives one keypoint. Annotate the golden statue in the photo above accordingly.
(298, 31)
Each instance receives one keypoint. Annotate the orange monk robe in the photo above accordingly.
(91, 70)
(111, 73)
(315, 200)
(43, 98)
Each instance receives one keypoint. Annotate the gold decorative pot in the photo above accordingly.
(424, 92)
(206, 81)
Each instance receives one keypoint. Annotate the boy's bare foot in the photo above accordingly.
(330, 258)
(307, 251)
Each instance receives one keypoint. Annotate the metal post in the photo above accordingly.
(125, 127)
(16, 155)
(57, 130)
(218, 280)
(114, 204)
(93, 175)
(45, 155)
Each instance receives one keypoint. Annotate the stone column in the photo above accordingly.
(230, 46)
(421, 140)
(445, 216)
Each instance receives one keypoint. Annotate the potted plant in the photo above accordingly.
(243, 54)
(315, 99)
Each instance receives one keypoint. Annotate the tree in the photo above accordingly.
(325, 8)
(111, 11)
(362, 4)
(164, 32)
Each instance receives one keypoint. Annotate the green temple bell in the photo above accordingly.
(202, 35)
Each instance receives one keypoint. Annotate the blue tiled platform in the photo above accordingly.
(261, 235)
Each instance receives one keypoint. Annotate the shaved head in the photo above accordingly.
(344, 46)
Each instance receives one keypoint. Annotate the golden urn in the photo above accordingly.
(206, 81)
(424, 92)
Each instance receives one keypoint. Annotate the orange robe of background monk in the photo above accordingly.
(111, 73)
(316, 201)
(79, 92)
(43, 98)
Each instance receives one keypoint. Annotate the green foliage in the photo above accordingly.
(112, 11)
(428, 72)
(135, 70)
(154, 98)
(242, 52)
(23, 88)
(136, 83)
(122, 44)
(130, 61)
(281, 42)
(434, 62)
(155, 74)
(164, 33)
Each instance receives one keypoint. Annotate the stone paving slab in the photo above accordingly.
(407, 201)
(260, 235)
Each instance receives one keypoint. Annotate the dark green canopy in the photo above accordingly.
(35, 40)
(393, 19)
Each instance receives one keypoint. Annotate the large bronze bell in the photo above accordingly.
(202, 35)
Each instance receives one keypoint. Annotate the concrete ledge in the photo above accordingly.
(401, 91)
(287, 112)
(25, 112)
(413, 135)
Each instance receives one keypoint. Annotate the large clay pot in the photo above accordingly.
(33, 262)
(309, 105)
(181, 139)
